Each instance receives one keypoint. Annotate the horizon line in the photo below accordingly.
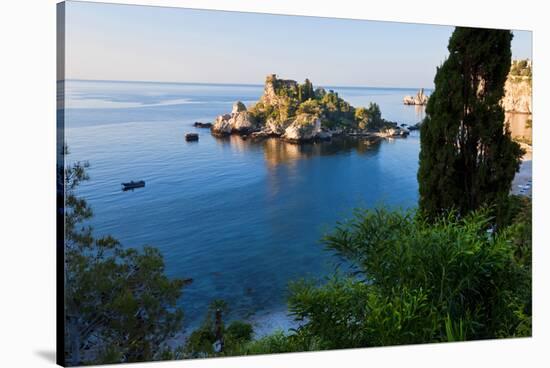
(228, 83)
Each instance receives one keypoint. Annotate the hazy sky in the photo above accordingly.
(121, 42)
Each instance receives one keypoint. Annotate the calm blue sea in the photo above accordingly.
(240, 218)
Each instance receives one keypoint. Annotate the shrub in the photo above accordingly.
(416, 282)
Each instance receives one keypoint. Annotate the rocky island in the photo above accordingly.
(299, 113)
(419, 99)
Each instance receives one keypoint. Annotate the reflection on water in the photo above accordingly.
(277, 151)
(420, 112)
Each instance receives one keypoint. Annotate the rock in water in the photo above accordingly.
(419, 99)
(191, 137)
(239, 121)
(304, 128)
(199, 124)
(222, 126)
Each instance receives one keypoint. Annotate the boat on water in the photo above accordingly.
(133, 185)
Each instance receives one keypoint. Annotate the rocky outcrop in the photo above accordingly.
(276, 127)
(517, 95)
(305, 127)
(239, 121)
(274, 84)
(415, 126)
(238, 107)
(222, 126)
(393, 132)
(419, 99)
(191, 137)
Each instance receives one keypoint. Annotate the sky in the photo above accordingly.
(144, 43)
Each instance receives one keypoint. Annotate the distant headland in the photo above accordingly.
(517, 89)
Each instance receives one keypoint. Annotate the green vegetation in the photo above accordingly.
(370, 118)
(119, 305)
(420, 282)
(213, 338)
(467, 157)
(291, 99)
(521, 68)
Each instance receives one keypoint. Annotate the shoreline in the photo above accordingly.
(324, 136)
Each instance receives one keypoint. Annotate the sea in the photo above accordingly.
(241, 218)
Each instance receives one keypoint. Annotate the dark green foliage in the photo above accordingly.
(345, 313)
(310, 107)
(239, 331)
(201, 343)
(375, 121)
(119, 305)
(261, 113)
(467, 156)
(371, 118)
(420, 282)
(336, 111)
(278, 342)
(305, 91)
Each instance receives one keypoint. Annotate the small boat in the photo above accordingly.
(190, 137)
(133, 185)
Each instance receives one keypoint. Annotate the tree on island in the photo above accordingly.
(369, 118)
(305, 91)
(467, 156)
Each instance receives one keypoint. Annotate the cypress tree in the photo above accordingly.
(309, 93)
(467, 156)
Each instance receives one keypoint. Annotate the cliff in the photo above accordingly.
(518, 87)
(518, 95)
(298, 112)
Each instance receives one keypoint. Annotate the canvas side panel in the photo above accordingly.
(60, 187)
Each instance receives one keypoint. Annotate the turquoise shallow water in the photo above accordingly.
(240, 218)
